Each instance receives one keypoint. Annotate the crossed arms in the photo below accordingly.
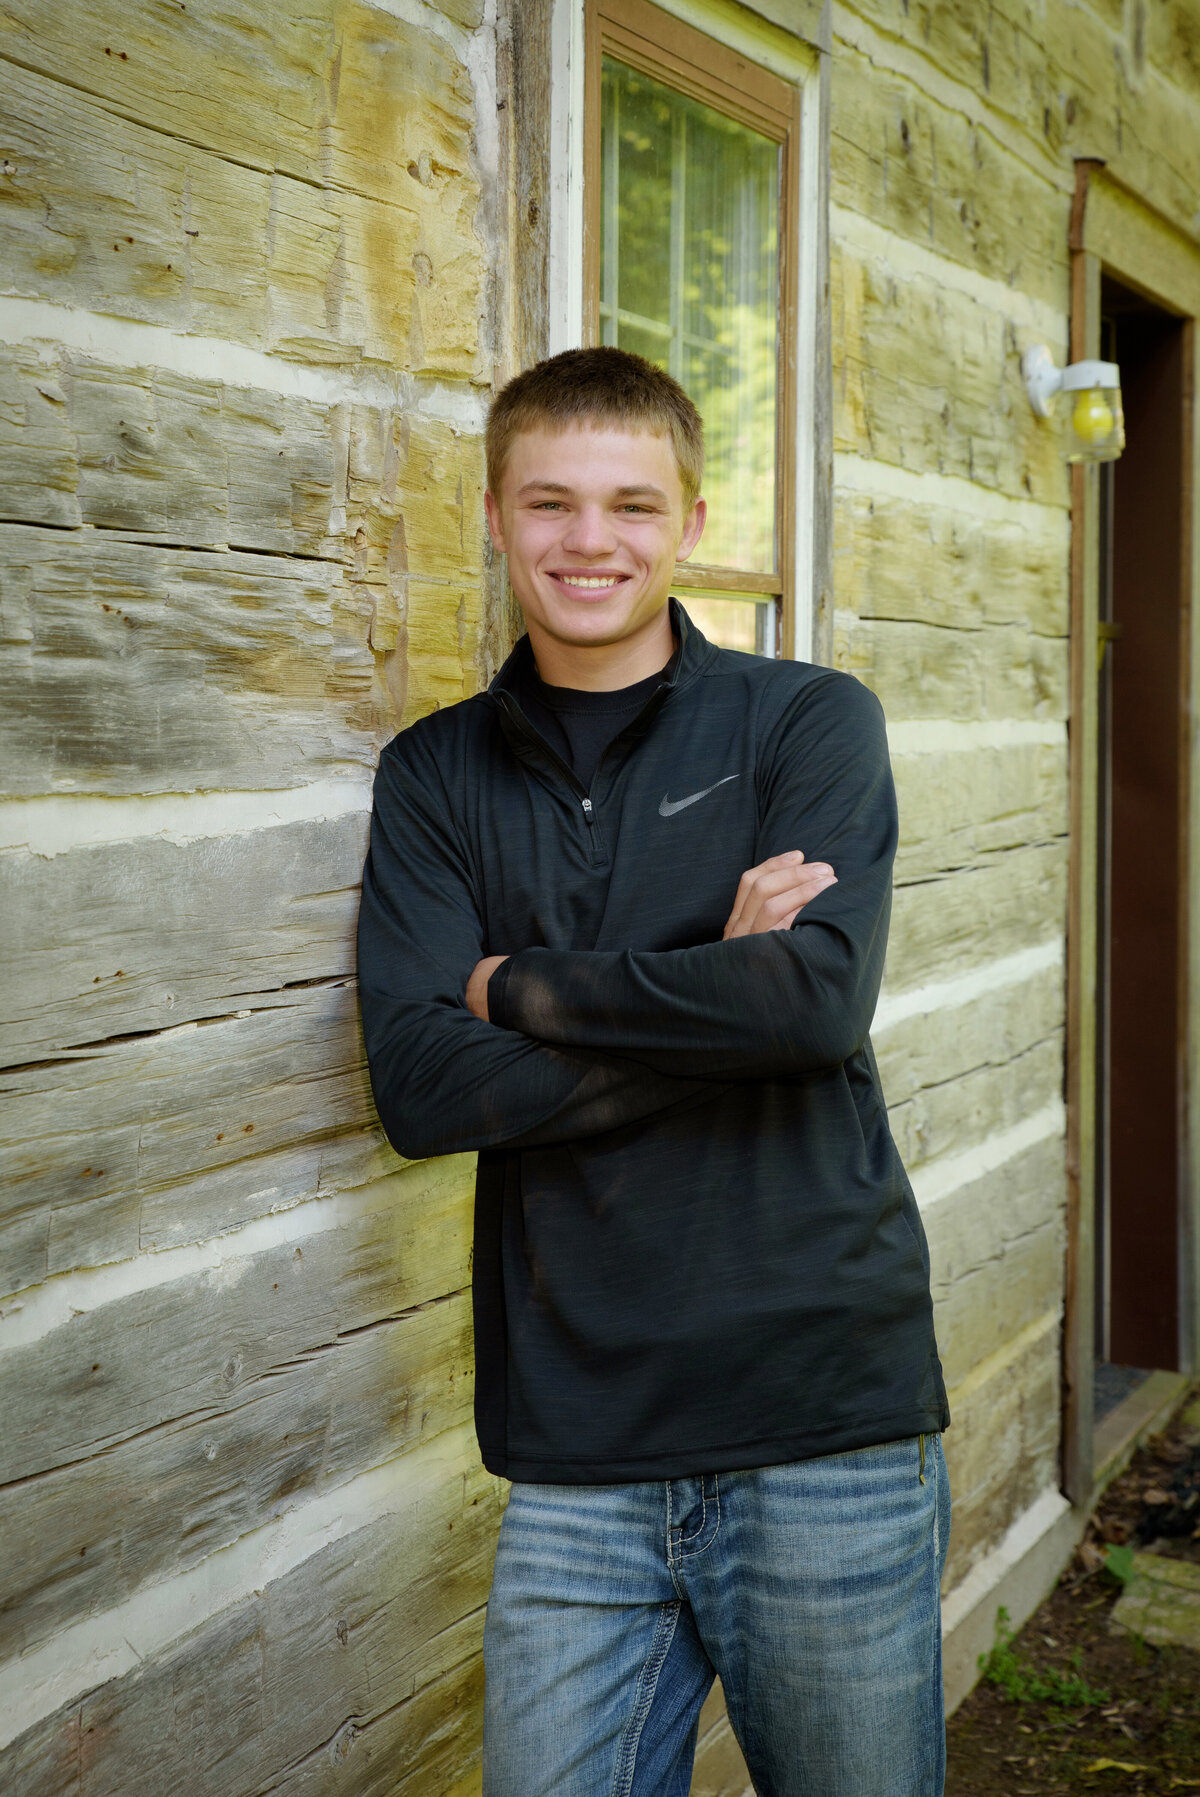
(769, 897)
(583, 1041)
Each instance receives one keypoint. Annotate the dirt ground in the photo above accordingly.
(1070, 1705)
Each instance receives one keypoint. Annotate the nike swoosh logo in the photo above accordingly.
(668, 807)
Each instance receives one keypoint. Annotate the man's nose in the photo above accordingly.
(590, 532)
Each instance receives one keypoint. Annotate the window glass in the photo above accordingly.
(734, 620)
(689, 277)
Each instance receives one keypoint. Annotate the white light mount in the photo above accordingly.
(1096, 431)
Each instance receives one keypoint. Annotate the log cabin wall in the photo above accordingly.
(254, 289)
(245, 354)
(955, 132)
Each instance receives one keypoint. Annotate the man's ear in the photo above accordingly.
(693, 530)
(495, 527)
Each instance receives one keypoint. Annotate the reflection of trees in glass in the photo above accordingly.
(690, 279)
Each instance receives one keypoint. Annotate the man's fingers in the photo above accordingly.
(791, 859)
(774, 899)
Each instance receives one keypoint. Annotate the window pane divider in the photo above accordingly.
(727, 580)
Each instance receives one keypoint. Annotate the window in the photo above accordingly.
(690, 183)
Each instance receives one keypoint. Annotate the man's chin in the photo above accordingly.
(598, 626)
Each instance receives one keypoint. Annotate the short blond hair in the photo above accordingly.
(596, 387)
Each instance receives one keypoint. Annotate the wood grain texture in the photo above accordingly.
(957, 807)
(996, 1250)
(921, 167)
(266, 669)
(961, 1113)
(938, 1047)
(929, 564)
(1002, 1449)
(942, 927)
(929, 378)
(209, 1336)
(175, 1137)
(143, 935)
(84, 1538)
(333, 230)
(921, 671)
(1060, 81)
(348, 1673)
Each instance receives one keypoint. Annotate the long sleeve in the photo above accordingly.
(780, 1004)
(443, 1080)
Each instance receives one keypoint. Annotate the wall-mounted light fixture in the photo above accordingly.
(1096, 427)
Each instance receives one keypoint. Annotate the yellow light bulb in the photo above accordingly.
(1092, 419)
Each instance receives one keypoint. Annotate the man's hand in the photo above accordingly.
(771, 896)
(478, 983)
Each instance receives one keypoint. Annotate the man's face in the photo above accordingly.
(592, 522)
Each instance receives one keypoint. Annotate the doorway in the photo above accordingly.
(1142, 909)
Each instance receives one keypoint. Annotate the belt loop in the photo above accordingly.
(921, 1475)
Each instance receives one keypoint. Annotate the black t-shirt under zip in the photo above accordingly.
(578, 724)
(695, 1245)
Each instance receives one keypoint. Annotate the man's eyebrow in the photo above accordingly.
(557, 486)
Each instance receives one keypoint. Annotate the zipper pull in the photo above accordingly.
(587, 810)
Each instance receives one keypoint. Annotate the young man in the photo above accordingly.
(623, 928)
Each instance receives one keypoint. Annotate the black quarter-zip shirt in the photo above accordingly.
(695, 1245)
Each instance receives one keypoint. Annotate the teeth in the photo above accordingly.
(589, 580)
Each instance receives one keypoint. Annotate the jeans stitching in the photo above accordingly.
(626, 1765)
(698, 1533)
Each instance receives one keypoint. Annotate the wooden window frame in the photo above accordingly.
(646, 38)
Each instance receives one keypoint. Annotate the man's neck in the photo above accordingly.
(604, 667)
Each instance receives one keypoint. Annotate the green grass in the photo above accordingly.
(1020, 1681)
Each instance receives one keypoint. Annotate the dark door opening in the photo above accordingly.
(1142, 908)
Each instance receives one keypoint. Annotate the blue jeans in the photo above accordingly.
(812, 1589)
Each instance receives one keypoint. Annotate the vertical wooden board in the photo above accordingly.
(84, 1538)
(82, 1387)
(977, 915)
(328, 1648)
(91, 956)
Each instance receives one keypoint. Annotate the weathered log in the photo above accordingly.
(957, 807)
(197, 1344)
(932, 564)
(1002, 1447)
(930, 379)
(142, 935)
(1013, 901)
(996, 1252)
(1047, 89)
(995, 1094)
(917, 165)
(293, 1674)
(108, 214)
(920, 671)
(932, 1048)
(84, 1538)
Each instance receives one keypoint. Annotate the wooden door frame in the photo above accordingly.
(1113, 231)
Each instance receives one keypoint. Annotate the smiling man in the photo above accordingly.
(623, 926)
